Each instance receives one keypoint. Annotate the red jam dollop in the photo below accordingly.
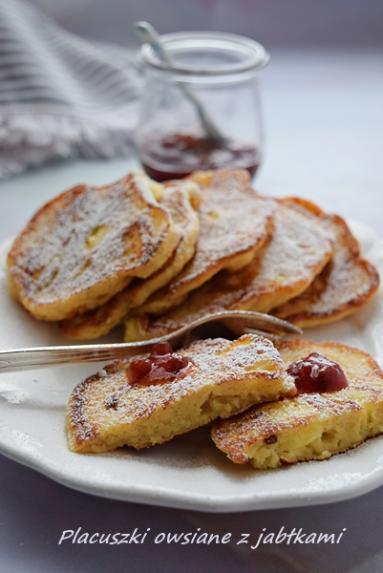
(316, 373)
(178, 154)
(161, 366)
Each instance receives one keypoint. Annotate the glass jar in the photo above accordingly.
(220, 72)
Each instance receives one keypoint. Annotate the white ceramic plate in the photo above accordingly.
(187, 472)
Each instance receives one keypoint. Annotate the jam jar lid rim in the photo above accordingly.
(257, 56)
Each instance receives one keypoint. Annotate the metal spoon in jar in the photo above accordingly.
(149, 35)
(246, 321)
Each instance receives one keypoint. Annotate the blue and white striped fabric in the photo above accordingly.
(60, 96)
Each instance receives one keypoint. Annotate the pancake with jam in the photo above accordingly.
(234, 224)
(87, 244)
(149, 399)
(347, 283)
(339, 405)
(179, 198)
(299, 248)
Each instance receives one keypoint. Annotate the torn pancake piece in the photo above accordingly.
(217, 378)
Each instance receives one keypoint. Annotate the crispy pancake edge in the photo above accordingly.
(83, 434)
(177, 290)
(310, 318)
(99, 291)
(101, 320)
(235, 447)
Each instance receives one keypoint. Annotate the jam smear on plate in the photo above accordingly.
(316, 373)
(161, 366)
(178, 154)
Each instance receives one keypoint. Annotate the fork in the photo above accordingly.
(250, 321)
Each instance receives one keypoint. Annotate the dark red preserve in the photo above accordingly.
(161, 366)
(178, 154)
(316, 373)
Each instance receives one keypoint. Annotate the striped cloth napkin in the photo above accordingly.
(61, 96)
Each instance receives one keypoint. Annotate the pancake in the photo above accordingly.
(87, 244)
(347, 283)
(300, 246)
(310, 426)
(107, 411)
(178, 198)
(234, 224)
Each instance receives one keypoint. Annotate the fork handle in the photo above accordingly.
(25, 358)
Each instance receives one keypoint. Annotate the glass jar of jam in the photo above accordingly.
(220, 70)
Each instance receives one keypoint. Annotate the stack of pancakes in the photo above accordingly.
(155, 257)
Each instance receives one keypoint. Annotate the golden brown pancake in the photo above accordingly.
(107, 411)
(178, 197)
(87, 244)
(298, 250)
(234, 224)
(310, 426)
(347, 283)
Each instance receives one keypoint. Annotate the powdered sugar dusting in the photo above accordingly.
(177, 200)
(343, 286)
(55, 257)
(300, 246)
(214, 362)
(233, 220)
(237, 435)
